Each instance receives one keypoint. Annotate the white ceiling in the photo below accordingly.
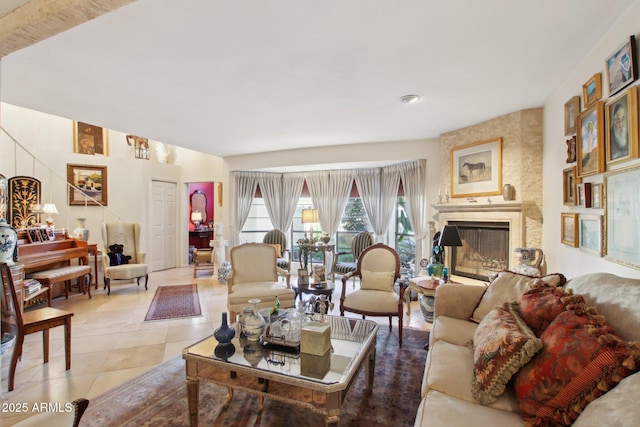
(236, 77)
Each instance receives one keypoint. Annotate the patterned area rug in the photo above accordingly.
(159, 397)
(174, 302)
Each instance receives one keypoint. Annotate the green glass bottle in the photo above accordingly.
(276, 307)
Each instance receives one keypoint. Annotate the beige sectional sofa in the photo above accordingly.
(447, 397)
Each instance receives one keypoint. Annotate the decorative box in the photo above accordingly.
(315, 338)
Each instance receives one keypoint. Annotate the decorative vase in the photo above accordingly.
(254, 323)
(225, 333)
(8, 243)
(508, 192)
(325, 238)
(434, 268)
(426, 307)
(81, 232)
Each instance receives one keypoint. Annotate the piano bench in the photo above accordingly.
(65, 274)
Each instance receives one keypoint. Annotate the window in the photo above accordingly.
(258, 223)
(354, 220)
(405, 242)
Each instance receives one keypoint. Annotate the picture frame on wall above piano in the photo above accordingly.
(89, 185)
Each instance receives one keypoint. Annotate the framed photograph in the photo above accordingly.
(571, 111)
(33, 233)
(303, 277)
(476, 169)
(622, 126)
(89, 185)
(569, 229)
(140, 146)
(592, 90)
(591, 233)
(590, 143)
(584, 195)
(569, 187)
(622, 229)
(89, 139)
(319, 275)
(51, 233)
(621, 66)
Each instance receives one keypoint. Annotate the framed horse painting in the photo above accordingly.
(476, 169)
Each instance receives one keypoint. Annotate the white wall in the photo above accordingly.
(49, 139)
(561, 258)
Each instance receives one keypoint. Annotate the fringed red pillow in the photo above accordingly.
(581, 360)
(543, 302)
(502, 344)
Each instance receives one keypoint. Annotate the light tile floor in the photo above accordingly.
(111, 342)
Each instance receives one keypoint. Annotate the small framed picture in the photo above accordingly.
(303, 277)
(571, 111)
(33, 233)
(584, 195)
(319, 275)
(51, 233)
(622, 126)
(571, 149)
(590, 143)
(592, 90)
(621, 66)
(569, 229)
(89, 139)
(569, 186)
(591, 233)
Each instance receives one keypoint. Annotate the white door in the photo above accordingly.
(163, 223)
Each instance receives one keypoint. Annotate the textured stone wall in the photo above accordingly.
(521, 134)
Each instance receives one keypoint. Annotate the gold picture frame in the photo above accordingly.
(592, 90)
(476, 169)
(590, 142)
(90, 185)
(621, 114)
(569, 229)
(90, 139)
(569, 187)
(571, 111)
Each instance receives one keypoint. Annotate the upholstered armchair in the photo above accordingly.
(378, 269)
(279, 240)
(254, 274)
(360, 242)
(128, 235)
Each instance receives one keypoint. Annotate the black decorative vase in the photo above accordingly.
(225, 333)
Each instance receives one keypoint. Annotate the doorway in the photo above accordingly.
(163, 225)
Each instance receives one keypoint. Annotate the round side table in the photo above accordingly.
(327, 289)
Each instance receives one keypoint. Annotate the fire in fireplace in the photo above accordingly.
(485, 248)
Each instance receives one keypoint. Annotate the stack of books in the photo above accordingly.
(31, 286)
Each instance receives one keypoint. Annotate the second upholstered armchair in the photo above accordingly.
(254, 274)
(126, 234)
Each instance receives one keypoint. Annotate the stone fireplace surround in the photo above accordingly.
(506, 212)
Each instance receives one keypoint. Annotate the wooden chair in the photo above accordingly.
(19, 324)
(203, 261)
(378, 269)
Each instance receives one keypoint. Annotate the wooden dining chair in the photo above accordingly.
(18, 323)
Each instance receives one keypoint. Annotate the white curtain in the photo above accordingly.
(378, 189)
(413, 175)
(246, 184)
(281, 193)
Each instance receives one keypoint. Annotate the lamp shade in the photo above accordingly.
(50, 208)
(450, 236)
(196, 216)
(310, 216)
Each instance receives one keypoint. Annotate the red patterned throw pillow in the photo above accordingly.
(502, 343)
(581, 360)
(543, 302)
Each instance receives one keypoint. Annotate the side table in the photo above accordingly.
(326, 289)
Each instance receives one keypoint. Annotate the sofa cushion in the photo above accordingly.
(502, 344)
(618, 407)
(452, 330)
(542, 303)
(438, 409)
(449, 370)
(581, 360)
(508, 286)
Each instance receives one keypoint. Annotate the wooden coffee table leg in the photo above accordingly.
(193, 388)
(229, 394)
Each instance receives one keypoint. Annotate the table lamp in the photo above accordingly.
(196, 219)
(310, 216)
(50, 209)
(450, 237)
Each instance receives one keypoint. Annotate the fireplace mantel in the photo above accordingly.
(480, 207)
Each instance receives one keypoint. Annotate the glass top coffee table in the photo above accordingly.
(317, 383)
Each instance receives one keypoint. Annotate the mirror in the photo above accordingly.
(199, 204)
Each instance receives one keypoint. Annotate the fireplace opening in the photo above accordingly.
(485, 248)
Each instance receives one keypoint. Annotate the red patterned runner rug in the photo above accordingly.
(174, 302)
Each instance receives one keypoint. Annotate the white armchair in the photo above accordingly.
(127, 234)
(254, 274)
